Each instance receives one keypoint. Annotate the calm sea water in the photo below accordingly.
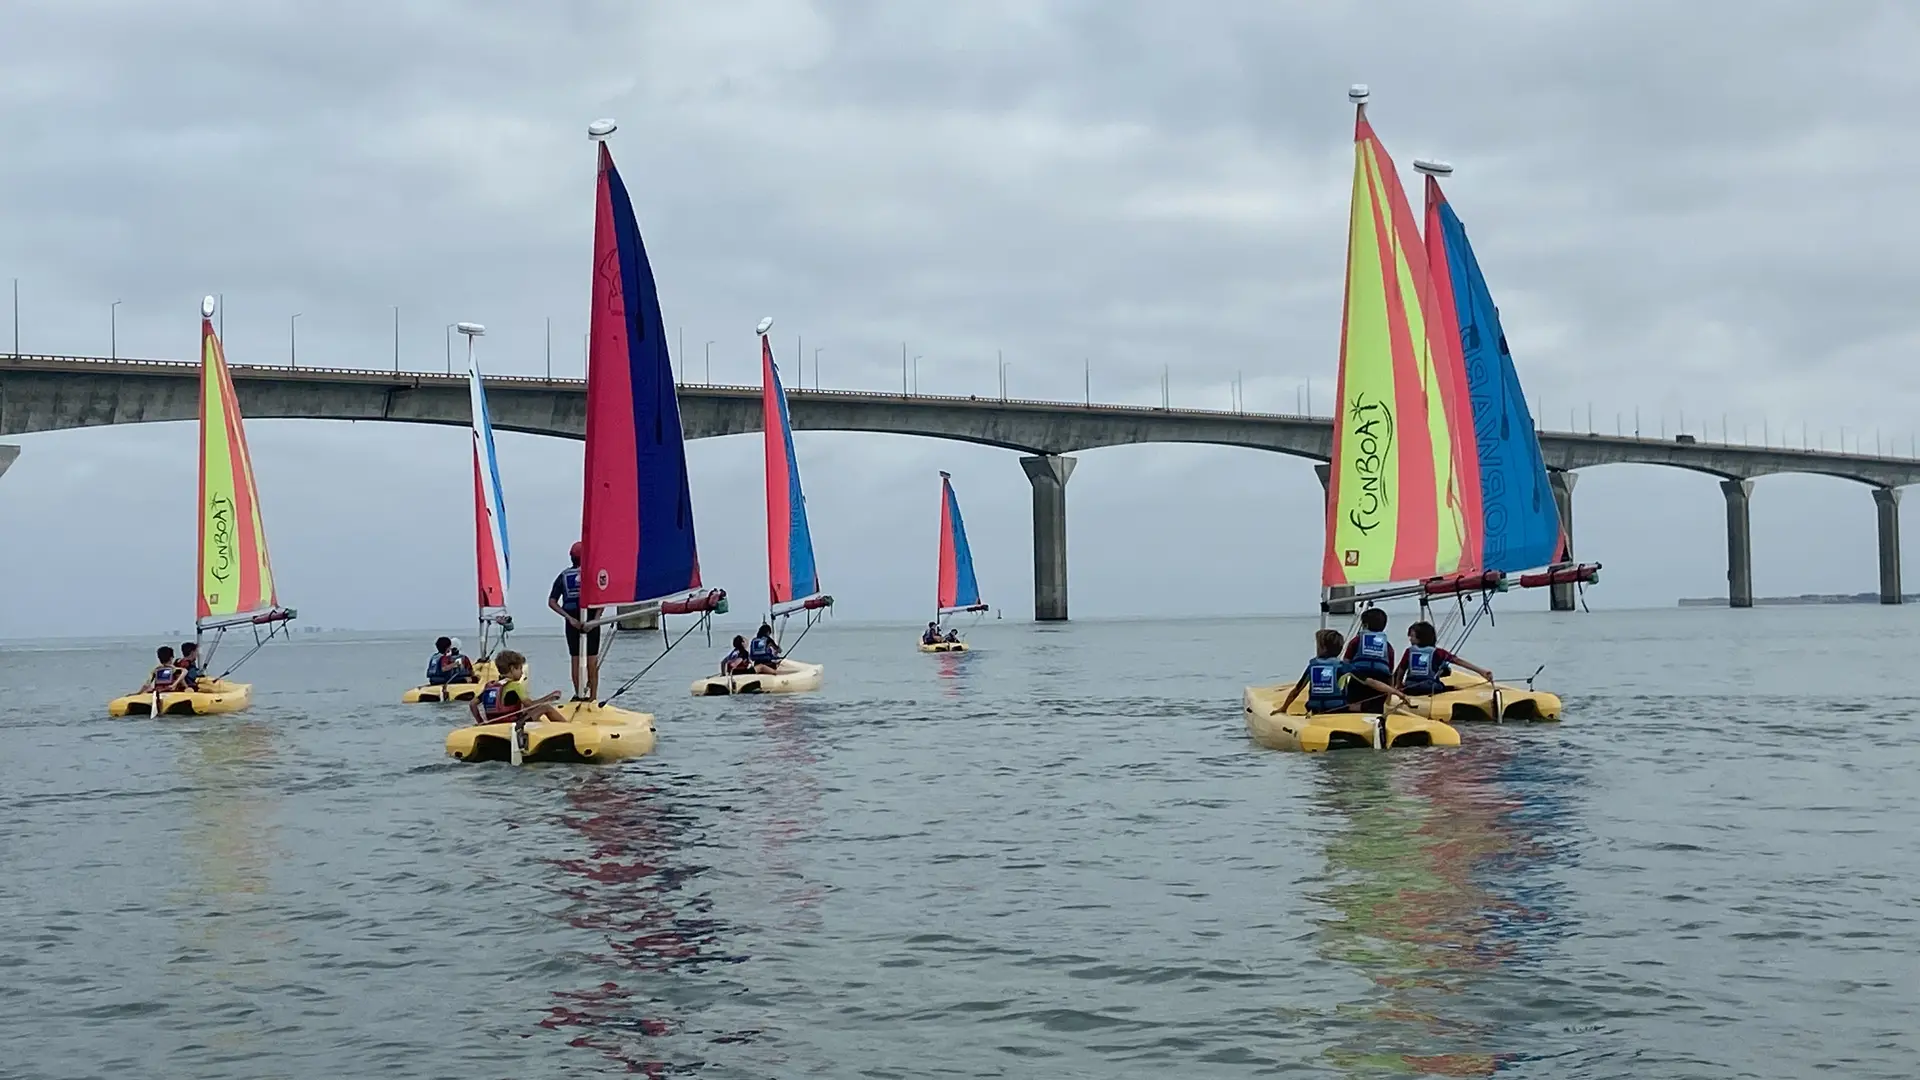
(1057, 856)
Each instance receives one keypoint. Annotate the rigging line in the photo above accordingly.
(706, 617)
(258, 644)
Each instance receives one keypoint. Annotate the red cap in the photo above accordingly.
(574, 551)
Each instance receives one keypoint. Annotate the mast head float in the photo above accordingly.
(471, 329)
(766, 324)
(1432, 168)
(206, 308)
(600, 129)
(1357, 93)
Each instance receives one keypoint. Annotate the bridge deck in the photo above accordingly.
(44, 392)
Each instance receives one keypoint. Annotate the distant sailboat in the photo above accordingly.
(636, 530)
(492, 567)
(793, 579)
(235, 574)
(957, 590)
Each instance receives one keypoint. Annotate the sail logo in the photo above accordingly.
(600, 579)
(1352, 557)
(220, 513)
(1369, 434)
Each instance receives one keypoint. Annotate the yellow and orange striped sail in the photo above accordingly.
(1392, 509)
(236, 576)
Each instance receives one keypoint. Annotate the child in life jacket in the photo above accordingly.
(1370, 656)
(736, 662)
(508, 698)
(1424, 664)
(1329, 681)
(166, 677)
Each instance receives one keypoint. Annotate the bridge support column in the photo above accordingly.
(1739, 543)
(1339, 597)
(1563, 597)
(1886, 505)
(8, 453)
(1048, 474)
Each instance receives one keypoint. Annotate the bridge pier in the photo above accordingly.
(1886, 505)
(1739, 543)
(1563, 597)
(1048, 474)
(1339, 597)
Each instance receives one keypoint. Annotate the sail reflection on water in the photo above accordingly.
(787, 808)
(1441, 882)
(232, 935)
(636, 886)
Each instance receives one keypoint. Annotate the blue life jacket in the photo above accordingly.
(1372, 658)
(194, 673)
(490, 695)
(1424, 668)
(437, 673)
(164, 674)
(570, 590)
(1324, 692)
(761, 651)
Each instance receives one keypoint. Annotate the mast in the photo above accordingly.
(636, 510)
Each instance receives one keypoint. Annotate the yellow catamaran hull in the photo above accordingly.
(1469, 700)
(944, 646)
(592, 733)
(1278, 729)
(212, 698)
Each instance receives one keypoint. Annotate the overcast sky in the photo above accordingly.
(1697, 209)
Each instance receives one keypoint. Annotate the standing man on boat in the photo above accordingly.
(564, 599)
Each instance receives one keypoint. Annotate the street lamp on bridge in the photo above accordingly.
(113, 331)
(293, 351)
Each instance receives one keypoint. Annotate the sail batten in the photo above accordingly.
(235, 571)
(791, 572)
(492, 559)
(637, 513)
(1395, 511)
(1518, 520)
(958, 588)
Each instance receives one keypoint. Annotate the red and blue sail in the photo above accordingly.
(491, 557)
(959, 590)
(1520, 522)
(637, 517)
(791, 574)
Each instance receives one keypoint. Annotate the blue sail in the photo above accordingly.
(1521, 521)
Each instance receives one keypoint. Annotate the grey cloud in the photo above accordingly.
(1695, 207)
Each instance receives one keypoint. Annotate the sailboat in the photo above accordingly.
(636, 525)
(1521, 537)
(957, 590)
(235, 575)
(1395, 509)
(793, 580)
(492, 567)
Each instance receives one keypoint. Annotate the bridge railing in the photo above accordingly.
(460, 378)
(419, 377)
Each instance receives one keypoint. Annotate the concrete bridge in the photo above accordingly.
(46, 393)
